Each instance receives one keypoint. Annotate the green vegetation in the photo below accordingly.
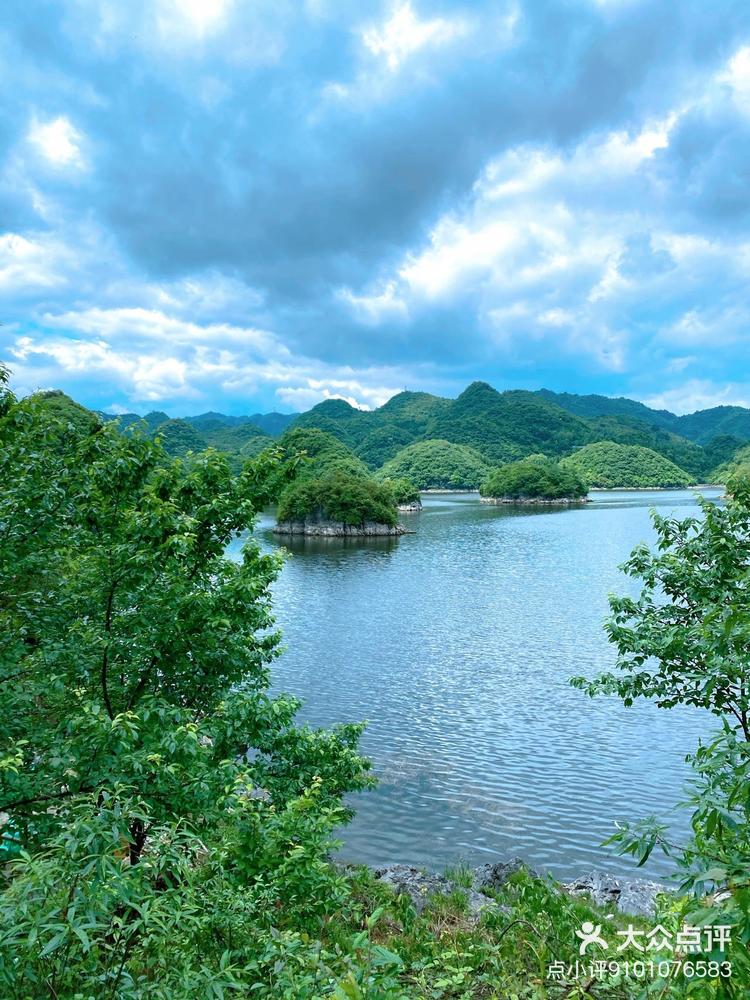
(684, 641)
(177, 438)
(499, 426)
(437, 465)
(62, 408)
(608, 465)
(509, 425)
(403, 491)
(159, 860)
(167, 825)
(324, 454)
(535, 478)
(338, 496)
(739, 461)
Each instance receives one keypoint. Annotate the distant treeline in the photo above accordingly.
(439, 443)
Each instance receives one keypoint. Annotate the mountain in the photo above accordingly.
(609, 406)
(377, 435)
(700, 427)
(703, 425)
(504, 426)
(498, 427)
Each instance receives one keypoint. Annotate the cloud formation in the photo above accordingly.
(253, 206)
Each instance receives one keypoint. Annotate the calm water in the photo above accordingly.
(456, 644)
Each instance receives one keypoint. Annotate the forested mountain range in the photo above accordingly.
(496, 427)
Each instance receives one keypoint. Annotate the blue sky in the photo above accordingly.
(242, 205)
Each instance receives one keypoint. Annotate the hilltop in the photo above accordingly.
(481, 429)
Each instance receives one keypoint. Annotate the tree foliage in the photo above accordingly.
(168, 810)
(322, 453)
(534, 478)
(685, 640)
(608, 465)
(403, 490)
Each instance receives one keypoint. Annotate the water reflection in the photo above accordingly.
(456, 643)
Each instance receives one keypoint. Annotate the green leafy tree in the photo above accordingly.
(685, 640)
(145, 770)
(403, 490)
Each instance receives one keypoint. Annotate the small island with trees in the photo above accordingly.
(535, 480)
(338, 505)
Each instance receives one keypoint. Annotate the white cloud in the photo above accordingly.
(193, 17)
(58, 141)
(737, 76)
(383, 304)
(357, 394)
(404, 34)
(700, 394)
(28, 264)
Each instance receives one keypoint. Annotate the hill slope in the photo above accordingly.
(608, 465)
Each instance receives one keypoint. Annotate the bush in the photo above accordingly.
(534, 478)
(338, 497)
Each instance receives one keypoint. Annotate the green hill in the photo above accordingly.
(592, 406)
(178, 437)
(439, 465)
(703, 425)
(740, 461)
(608, 465)
(509, 425)
(376, 435)
(325, 453)
(59, 405)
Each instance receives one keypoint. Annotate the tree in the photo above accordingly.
(437, 465)
(685, 640)
(139, 745)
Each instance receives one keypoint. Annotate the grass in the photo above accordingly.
(445, 954)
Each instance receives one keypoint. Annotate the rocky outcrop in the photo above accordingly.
(337, 529)
(420, 886)
(634, 896)
(410, 508)
(561, 502)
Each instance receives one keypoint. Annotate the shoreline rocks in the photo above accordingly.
(337, 529)
(562, 502)
(635, 897)
(410, 508)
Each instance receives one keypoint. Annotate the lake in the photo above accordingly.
(456, 644)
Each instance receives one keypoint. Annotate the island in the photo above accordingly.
(338, 505)
(533, 480)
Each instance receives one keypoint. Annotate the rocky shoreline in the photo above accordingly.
(635, 897)
(337, 529)
(536, 502)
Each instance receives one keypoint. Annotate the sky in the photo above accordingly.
(245, 205)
